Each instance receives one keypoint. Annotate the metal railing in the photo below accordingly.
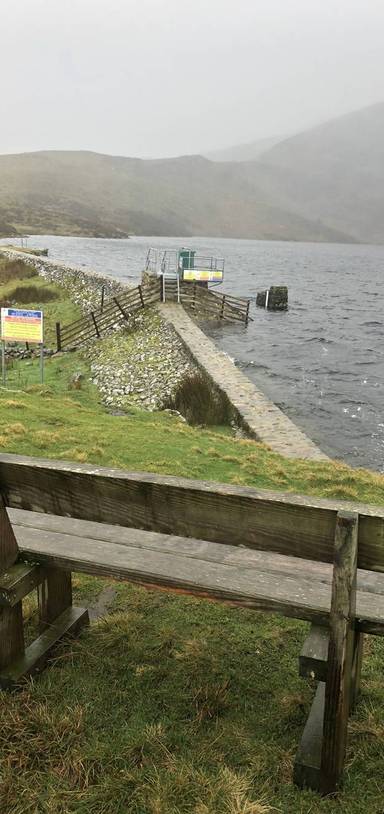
(171, 262)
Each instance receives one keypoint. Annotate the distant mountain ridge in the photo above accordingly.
(251, 151)
(332, 173)
(326, 184)
(83, 193)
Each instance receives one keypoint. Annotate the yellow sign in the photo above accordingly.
(20, 325)
(202, 275)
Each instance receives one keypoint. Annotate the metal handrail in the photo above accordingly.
(167, 261)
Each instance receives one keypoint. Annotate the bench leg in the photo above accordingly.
(54, 596)
(9, 550)
(58, 618)
(320, 760)
(11, 635)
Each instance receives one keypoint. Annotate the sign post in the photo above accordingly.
(21, 325)
(3, 369)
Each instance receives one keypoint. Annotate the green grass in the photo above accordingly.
(56, 310)
(172, 705)
(57, 422)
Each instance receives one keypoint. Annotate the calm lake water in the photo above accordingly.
(322, 361)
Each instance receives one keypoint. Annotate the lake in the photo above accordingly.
(322, 361)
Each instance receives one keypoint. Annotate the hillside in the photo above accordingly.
(326, 184)
(251, 151)
(85, 193)
(334, 173)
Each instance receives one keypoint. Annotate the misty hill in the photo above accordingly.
(334, 173)
(244, 152)
(83, 193)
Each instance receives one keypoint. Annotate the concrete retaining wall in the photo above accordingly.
(256, 413)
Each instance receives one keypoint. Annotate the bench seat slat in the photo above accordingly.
(194, 566)
(201, 549)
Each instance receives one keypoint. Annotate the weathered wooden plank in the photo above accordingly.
(54, 596)
(188, 546)
(306, 771)
(313, 658)
(11, 634)
(18, 582)
(9, 550)
(340, 653)
(83, 335)
(300, 597)
(272, 521)
(198, 549)
(372, 582)
(35, 656)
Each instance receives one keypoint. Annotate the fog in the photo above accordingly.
(154, 78)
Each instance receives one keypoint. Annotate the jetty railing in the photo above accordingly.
(215, 305)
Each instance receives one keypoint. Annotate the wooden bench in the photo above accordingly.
(307, 558)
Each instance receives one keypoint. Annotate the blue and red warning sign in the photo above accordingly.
(21, 325)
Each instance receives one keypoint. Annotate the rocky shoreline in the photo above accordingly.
(140, 367)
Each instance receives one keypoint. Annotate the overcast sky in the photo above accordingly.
(167, 77)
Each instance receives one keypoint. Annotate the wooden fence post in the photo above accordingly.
(120, 307)
(95, 324)
(141, 296)
(58, 336)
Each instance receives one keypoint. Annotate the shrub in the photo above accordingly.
(15, 270)
(200, 402)
(31, 293)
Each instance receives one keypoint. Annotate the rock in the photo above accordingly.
(76, 380)
(275, 299)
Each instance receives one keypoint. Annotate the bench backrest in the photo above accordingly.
(270, 521)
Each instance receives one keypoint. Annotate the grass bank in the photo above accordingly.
(170, 705)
